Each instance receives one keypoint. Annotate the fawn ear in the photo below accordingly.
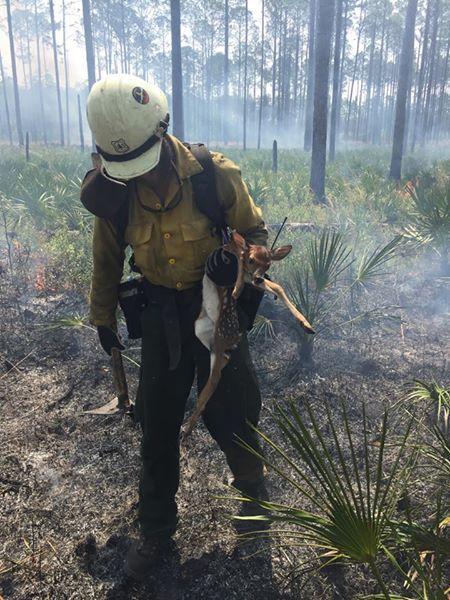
(280, 252)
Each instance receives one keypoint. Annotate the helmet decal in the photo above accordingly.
(120, 146)
(140, 95)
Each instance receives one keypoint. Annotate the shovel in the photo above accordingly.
(121, 403)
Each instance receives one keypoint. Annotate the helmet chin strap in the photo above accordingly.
(156, 137)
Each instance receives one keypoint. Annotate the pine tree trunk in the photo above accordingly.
(5, 94)
(432, 121)
(384, 93)
(177, 74)
(80, 123)
(90, 57)
(360, 96)
(274, 62)
(423, 62)
(226, 73)
(109, 35)
(296, 72)
(355, 66)
(39, 66)
(336, 83)
(376, 129)
(404, 83)
(244, 137)
(342, 74)
(324, 34)
(310, 84)
(30, 71)
(22, 60)
(369, 84)
(124, 38)
(281, 39)
(57, 82)
(66, 73)
(14, 74)
(302, 88)
(261, 85)
(442, 94)
(426, 112)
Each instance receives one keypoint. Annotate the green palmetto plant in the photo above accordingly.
(428, 553)
(48, 187)
(433, 394)
(316, 289)
(352, 490)
(430, 219)
(372, 264)
(328, 257)
(263, 328)
(258, 189)
(437, 451)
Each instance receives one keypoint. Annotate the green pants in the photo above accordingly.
(160, 408)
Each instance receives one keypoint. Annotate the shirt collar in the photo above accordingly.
(184, 163)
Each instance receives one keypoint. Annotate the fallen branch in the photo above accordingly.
(14, 367)
(295, 226)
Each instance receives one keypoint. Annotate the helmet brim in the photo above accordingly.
(136, 167)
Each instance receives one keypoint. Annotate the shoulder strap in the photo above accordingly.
(205, 188)
(120, 221)
(203, 184)
(106, 198)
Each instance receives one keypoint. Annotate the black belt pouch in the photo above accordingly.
(132, 301)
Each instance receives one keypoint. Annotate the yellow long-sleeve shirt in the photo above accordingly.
(170, 245)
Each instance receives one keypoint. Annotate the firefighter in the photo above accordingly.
(152, 174)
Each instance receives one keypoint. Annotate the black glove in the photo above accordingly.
(109, 339)
(222, 267)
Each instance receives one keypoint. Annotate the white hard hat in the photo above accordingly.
(128, 118)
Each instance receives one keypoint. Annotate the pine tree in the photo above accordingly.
(322, 67)
(14, 74)
(177, 76)
(403, 90)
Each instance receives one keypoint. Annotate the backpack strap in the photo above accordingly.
(120, 221)
(116, 197)
(106, 198)
(205, 188)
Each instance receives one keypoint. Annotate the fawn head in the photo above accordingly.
(256, 260)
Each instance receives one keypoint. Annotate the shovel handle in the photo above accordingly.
(119, 379)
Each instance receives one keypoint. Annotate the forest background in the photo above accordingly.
(247, 68)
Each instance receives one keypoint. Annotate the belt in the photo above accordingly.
(179, 310)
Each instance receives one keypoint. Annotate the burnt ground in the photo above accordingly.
(68, 481)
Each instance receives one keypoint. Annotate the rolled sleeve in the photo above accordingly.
(241, 212)
(108, 257)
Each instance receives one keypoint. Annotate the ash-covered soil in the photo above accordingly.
(68, 481)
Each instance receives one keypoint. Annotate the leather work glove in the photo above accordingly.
(222, 267)
(109, 339)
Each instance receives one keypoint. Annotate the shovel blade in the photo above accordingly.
(111, 408)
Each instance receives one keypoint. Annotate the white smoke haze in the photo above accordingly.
(136, 38)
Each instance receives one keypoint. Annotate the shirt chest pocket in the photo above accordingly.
(139, 236)
(199, 241)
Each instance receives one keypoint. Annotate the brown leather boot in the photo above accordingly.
(146, 554)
